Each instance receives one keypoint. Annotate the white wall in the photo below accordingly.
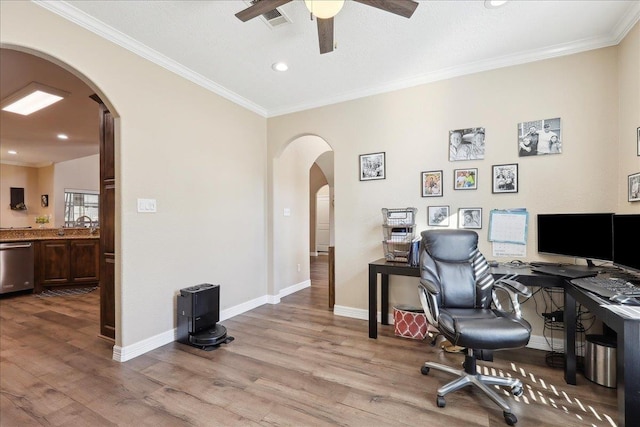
(629, 119)
(19, 177)
(412, 126)
(207, 163)
(199, 155)
(291, 194)
(46, 186)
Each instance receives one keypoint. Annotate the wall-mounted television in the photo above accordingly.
(579, 235)
(626, 242)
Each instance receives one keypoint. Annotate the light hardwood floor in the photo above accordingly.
(293, 364)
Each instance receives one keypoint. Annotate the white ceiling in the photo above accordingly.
(376, 50)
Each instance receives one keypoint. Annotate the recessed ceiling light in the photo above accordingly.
(12, 152)
(280, 66)
(31, 98)
(493, 4)
(62, 136)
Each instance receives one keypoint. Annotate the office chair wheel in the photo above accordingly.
(510, 418)
(442, 403)
(425, 370)
(517, 391)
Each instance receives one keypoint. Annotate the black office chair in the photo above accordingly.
(458, 294)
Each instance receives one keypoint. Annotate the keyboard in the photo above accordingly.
(607, 287)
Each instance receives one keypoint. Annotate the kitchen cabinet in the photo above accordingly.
(67, 262)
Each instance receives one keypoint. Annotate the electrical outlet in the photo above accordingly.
(298, 267)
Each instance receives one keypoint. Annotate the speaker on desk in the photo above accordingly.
(198, 316)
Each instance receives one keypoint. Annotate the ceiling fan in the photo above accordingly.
(325, 10)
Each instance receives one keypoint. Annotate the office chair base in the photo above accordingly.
(483, 382)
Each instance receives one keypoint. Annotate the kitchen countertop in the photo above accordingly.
(29, 234)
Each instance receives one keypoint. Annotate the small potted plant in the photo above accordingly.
(42, 220)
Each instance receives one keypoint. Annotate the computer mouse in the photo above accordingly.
(624, 299)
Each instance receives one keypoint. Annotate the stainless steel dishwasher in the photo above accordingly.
(16, 266)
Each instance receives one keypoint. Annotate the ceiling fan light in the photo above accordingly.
(324, 9)
(493, 4)
(280, 66)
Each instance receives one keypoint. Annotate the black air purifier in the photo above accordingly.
(198, 315)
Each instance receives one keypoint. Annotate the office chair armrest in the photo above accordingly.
(514, 286)
(427, 291)
(513, 289)
(430, 286)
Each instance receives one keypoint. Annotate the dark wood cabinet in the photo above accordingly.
(108, 188)
(85, 261)
(67, 262)
(53, 262)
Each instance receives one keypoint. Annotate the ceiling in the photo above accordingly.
(376, 51)
(34, 137)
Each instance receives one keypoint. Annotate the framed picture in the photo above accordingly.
(638, 130)
(539, 137)
(44, 200)
(465, 179)
(438, 216)
(505, 178)
(634, 187)
(431, 183)
(470, 217)
(372, 166)
(466, 144)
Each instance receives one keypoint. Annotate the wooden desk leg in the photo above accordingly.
(569, 338)
(373, 302)
(384, 299)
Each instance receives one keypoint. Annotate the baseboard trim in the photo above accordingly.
(122, 354)
(354, 313)
(294, 288)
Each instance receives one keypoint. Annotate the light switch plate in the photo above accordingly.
(147, 205)
(287, 212)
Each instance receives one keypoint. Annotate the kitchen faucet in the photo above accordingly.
(80, 221)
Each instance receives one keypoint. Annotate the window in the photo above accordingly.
(80, 206)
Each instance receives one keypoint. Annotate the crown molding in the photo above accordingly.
(73, 14)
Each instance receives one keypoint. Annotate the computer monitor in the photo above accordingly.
(580, 235)
(626, 242)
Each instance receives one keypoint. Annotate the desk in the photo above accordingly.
(628, 330)
(386, 268)
(627, 351)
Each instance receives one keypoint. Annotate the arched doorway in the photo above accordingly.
(89, 126)
(293, 210)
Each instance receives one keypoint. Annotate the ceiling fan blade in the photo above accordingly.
(325, 34)
(259, 8)
(399, 7)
